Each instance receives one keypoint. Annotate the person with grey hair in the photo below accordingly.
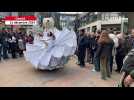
(115, 39)
(120, 52)
(131, 40)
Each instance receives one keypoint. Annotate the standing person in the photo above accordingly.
(5, 44)
(88, 48)
(96, 58)
(116, 44)
(82, 48)
(9, 35)
(20, 46)
(30, 39)
(0, 44)
(76, 52)
(92, 46)
(130, 41)
(104, 51)
(120, 52)
(10, 41)
(13, 41)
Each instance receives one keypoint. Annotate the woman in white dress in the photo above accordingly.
(52, 49)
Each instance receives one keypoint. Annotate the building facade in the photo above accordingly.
(93, 21)
(55, 16)
(66, 20)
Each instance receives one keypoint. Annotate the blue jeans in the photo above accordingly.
(97, 63)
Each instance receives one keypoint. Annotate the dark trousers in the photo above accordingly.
(81, 56)
(119, 61)
(97, 63)
(111, 63)
(92, 56)
(13, 50)
(9, 49)
(5, 52)
(21, 53)
(88, 55)
(0, 51)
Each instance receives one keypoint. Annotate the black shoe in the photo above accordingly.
(82, 66)
(97, 70)
(5, 58)
(78, 63)
(14, 57)
(21, 55)
(108, 76)
(103, 78)
(118, 71)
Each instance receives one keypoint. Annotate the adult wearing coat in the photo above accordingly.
(104, 51)
(13, 44)
(5, 44)
(127, 70)
(82, 44)
(120, 52)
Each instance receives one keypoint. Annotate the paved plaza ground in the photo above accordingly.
(19, 73)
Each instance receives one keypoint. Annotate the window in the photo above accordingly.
(88, 29)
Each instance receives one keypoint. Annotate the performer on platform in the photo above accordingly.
(52, 48)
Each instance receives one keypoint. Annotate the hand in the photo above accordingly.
(128, 80)
(40, 34)
(46, 44)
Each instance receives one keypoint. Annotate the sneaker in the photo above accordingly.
(93, 70)
(117, 71)
(103, 78)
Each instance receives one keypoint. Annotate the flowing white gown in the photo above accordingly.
(56, 54)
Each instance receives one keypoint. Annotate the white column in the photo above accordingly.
(91, 28)
(37, 15)
(99, 25)
(122, 25)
